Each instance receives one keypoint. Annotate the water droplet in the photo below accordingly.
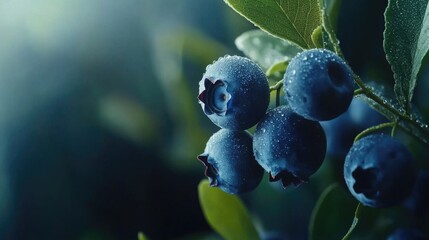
(256, 41)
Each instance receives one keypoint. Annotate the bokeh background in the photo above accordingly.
(100, 126)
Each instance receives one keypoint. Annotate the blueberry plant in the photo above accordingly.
(325, 111)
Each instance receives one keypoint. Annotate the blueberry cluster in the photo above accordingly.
(289, 142)
(234, 94)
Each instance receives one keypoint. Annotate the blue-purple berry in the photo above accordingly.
(318, 85)
(288, 146)
(379, 171)
(230, 162)
(234, 92)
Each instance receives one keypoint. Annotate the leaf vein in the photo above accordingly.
(296, 14)
(293, 25)
(306, 19)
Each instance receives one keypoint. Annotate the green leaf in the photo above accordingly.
(317, 37)
(141, 236)
(265, 49)
(421, 134)
(333, 10)
(406, 41)
(332, 214)
(225, 213)
(330, 40)
(354, 222)
(279, 67)
(380, 108)
(327, 43)
(292, 20)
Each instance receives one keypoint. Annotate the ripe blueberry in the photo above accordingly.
(234, 93)
(288, 146)
(318, 85)
(341, 131)
(379, 171)
(230, 164)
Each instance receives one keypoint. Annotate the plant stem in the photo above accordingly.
(357, 92)
(278, 97)
(392, 133)
(401, 115)
(354, 223)
(373, 129)
(276, 86)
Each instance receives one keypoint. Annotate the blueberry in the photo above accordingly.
(234, 93)
(230, 164)
(341, 131)
(318, 85)
(418, 202)
(288, 146)
(379, 171)
(406, 234)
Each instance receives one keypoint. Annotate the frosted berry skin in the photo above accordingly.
(318, 85)
(230, 164)
(289, 147)
(379, 171)
(234, 93)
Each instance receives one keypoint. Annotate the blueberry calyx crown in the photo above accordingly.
(367, 181)
(286, 178)
(210, 171)
(214, 97)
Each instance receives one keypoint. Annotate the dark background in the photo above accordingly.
(100, 124)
